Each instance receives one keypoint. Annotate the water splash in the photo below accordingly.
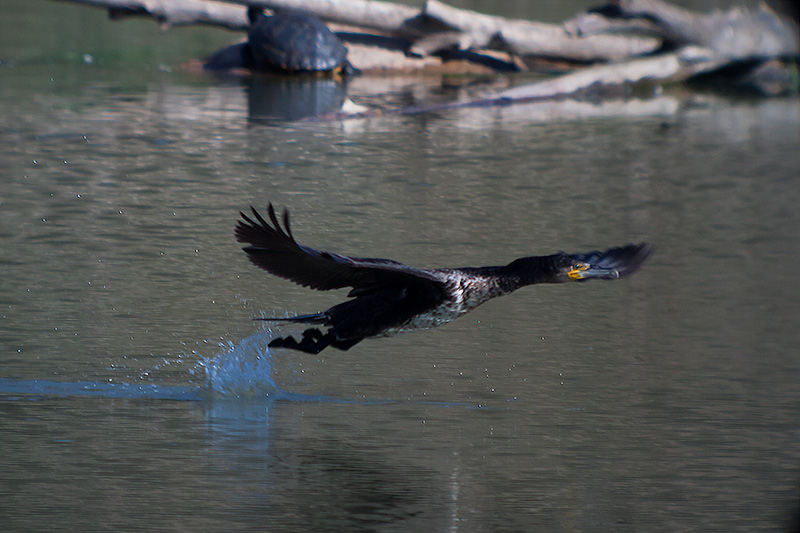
(243, 369)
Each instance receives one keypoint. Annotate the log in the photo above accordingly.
(468, 30)
(526, 38)
(440, 26)
(176, 12)
(427, 29)
(595, 83)
(664, 68)
(736, 34)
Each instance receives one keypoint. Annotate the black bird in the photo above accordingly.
(390, 298)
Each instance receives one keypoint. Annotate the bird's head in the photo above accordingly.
(562, 267)
(567, 267)
(609, 264)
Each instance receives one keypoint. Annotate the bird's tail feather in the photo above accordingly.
(316, 318)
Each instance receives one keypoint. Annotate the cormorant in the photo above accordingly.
(390, 298)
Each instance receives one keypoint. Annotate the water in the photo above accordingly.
(136, 393)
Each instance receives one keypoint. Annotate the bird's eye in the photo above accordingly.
(576, 272)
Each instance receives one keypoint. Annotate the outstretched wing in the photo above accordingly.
(274, 249)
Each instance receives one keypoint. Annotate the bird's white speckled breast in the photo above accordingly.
(466, 293)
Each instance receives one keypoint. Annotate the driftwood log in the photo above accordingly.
(526, 38)
(439, 27)
(611, 39)
(754, 48)
(434, 28)
(736, 34)
(176, 12)
(608, 81)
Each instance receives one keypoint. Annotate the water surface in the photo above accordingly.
(137, 393)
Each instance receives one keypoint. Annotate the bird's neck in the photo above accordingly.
(519, 273)
(530, 270)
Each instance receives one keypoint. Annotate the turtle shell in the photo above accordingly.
(295, 41)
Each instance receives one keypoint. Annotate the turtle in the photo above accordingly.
(295, 41)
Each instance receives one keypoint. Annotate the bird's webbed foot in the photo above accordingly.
(312, 335)
(313, 342)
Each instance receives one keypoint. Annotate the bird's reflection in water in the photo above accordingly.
(300, 467)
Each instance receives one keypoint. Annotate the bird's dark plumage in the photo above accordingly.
(390, 297)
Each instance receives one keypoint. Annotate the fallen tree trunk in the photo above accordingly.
(665, 68)
(439, 26)
(595, 82)
(526, 38)
(733, 37)
(436, 27)
(176, 12)
(736, 34)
